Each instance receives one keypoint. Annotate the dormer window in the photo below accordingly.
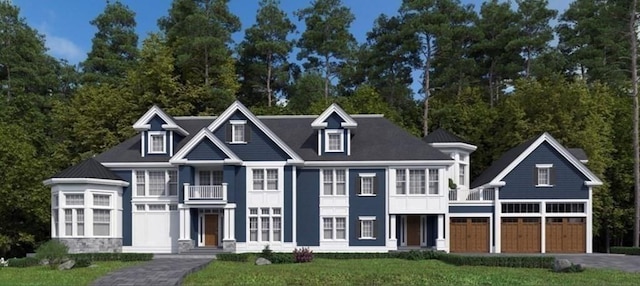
(238, 131)
(157, 142)
(334, 141)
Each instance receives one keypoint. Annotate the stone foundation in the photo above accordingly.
(229, 245)
(92, 244)
(185, 245)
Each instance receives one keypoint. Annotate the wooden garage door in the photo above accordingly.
(469, 235)
(520, 235)
(566, 235)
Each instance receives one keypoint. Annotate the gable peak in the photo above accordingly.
(321, 121)
(143, 122)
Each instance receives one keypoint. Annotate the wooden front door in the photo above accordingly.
(566, 235)
(211, 230)
(413, 230)
(521, 235)
(469, 235)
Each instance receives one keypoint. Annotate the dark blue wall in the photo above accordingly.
(367, 206)
(334, 121)
(288, 205)
(229, 177)
(185, 175)
(569, 182)
(259, 148)
(308, 207)
(206, 150)
(432, 230)
(126, 207)
(471, 209)
(240, 198)
(194, 224)
(156, 123)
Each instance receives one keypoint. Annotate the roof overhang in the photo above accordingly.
(143, 123)
(379, 163)
(455, 145)
(320, 122)
(86, 181)
(204, 133)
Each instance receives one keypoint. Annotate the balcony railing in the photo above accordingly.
(205, 193)
(471, 195)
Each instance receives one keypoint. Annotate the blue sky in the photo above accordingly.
(68, 34)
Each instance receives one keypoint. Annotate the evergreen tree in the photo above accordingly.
(114, 47)
(535, 30)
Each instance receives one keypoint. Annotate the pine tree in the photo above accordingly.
(535, 30)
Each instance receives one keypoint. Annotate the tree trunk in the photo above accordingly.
(269, 79)
(326, 78)
(636, 112)
(206, 66)
(427, 89)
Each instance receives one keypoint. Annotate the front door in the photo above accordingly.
(413, 230)
(211, 230)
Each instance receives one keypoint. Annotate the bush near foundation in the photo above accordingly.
(112, 256)
(628, 250)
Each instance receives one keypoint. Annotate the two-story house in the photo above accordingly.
(331, 182)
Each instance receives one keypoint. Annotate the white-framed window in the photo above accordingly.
(157, 207)
(238, 131)
(334, 182)
(101, 200)
(334, 140)
(54, 217)
(367, 185)
(367, 227)
(334, 228)
(140, 207)
(265, 224)
(156, 183)
(265, 179)
(543, 175)
(462, 174)
(74, 199)
(157, 142)
(210, 177)
(101, 222)
(417, 181)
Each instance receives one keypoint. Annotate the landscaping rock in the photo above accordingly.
(262, 261)
(67, 265)
(560, 265)
(44, 262)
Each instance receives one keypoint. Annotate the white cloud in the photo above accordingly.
(64, 48)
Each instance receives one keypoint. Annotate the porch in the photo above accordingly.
(207, 228)
(418, 231)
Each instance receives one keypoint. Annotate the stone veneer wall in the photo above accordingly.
(87, 245)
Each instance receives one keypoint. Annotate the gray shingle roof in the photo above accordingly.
(500, 164)
(443, 136)
(89, 168)
(578, 153)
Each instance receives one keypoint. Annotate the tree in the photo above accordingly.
(633, 41)
(326, 43)
(305, 90)
(114, 47)
(535, 30)
(263, 63)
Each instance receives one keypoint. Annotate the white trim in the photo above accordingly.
(237, 106)
(366, 174)
(319, 142)
(320, 122)
(237, 122)
(171, 143)
(142, 142)
(264, 163)
(204, 133)
(366, 218)
(56, 181)
(328, 132)
(378, 163)
(348, 142)
(457, 145)
(294, 204)
(127, 165)
(592, 179)
(544, 166)
(143, 123)
(150, 142)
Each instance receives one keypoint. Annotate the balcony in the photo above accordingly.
(205, 194)
(475, 195)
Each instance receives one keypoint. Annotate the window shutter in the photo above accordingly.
(247, 133)
(552, 176)
(228, 134)
(375, 185)
(358, 187)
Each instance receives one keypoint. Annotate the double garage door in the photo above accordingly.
(519, 235)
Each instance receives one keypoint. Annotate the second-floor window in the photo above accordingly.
(461, 174)
(334, 182)
(156, 183)
(417, 181)
(265, 179)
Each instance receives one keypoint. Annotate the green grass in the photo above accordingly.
(43, 275)
(395, 272)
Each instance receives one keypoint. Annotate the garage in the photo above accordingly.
(521, 235)
(469, 235)
(566, 235)
(155, 228)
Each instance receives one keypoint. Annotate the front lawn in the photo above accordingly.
(43, 275)
(395, 272)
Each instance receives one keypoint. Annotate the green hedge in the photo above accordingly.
(499, 261)
(235, 257)
(628, 250)
(112, 256)
(23, 262)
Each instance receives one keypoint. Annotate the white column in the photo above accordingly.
(229, 222)
(589, 210)
(185, 190)
(226, 224)
(497, 221)
(440, 242)
(182, 224)
(187, 219)
(224, 192)
(392, 228)
(543, 227)
(232, 224)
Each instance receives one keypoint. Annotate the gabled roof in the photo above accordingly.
(441, 138)
(237, 106)
(321, 123)
(203, 135)
(88, 171)
(509, 160)
(143, 123)
(579, 154)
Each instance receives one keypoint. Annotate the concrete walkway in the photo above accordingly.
(628, 263)
(160, 271)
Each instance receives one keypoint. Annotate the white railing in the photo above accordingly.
(471, 195)
(205, 192)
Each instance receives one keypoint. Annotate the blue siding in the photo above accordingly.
(185, 175)
(259, 148)
(288, 205)
(126, 207)
(156, 123)
(206, 150)
(367, 206)
(240, 198)
(569, 182)
(229, 177)
(308, 207)
(432, 230)
(470, 209)
(334, 121)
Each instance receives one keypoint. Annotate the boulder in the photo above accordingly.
(561, 265)
(67, 265)
(262, 261)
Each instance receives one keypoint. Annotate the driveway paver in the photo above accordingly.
(160, 272)
(628, 263)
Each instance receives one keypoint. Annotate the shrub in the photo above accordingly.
(113, 256)
(267, 253)
(499, 261)
(302, 255)
(82, 262)
(53, 251)
(628, 250)
(23, 262)
(282, 258)
(234, 257)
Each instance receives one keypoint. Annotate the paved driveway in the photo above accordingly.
(628, 263)
(163, 271)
